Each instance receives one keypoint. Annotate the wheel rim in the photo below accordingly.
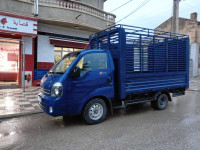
(96, 111)
(163, 100)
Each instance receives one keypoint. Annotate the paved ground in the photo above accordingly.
(15, 102)
(140, 128)
(195, 84)
(8, 85)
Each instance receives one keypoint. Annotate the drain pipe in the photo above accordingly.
(23, 67)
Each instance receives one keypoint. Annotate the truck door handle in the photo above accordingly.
(109, 80)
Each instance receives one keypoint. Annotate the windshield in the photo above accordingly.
(64, 63)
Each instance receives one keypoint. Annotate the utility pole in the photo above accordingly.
(35, 8)
(175, 18)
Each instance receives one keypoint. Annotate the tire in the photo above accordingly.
(161, 102)
(95, 111)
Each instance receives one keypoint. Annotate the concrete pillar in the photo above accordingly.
(175, 18)
(194, 54)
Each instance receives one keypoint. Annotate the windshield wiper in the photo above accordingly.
(53, 72)
(59, 72)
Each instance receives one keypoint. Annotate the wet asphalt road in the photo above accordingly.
(140, 128)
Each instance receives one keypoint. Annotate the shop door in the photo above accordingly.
(9, 63)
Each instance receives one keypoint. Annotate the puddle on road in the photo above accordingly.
(190, 120)
(12, 133)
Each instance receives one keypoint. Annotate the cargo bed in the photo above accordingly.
(145, 60)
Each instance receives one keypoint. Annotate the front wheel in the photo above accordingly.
(95, 111)
(161, 102)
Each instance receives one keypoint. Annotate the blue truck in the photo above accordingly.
(125, 65)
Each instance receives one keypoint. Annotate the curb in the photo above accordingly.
(195, 90)
(19, 114)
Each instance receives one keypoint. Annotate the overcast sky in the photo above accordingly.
(152, 14)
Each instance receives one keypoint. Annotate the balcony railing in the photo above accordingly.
(78, 6)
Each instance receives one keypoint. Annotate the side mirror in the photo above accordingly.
(75, 72)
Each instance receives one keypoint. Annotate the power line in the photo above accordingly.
(121, 5)
(154, 18)
(143, 4)
(185, 3)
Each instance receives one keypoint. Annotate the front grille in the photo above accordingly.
(46, 91)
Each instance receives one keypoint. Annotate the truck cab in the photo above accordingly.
(80, 83)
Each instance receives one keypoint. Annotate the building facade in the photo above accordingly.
(30, 44)
(190, 27)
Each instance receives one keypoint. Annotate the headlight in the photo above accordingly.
(57, 89)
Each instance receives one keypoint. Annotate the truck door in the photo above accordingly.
(92, 75)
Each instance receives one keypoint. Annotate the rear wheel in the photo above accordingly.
(161, 102)
(95, 111)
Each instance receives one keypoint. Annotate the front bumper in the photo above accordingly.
(52, 106)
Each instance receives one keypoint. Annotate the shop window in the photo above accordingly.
(59, 52)
(67, 50)
(9, 54)
(77, 49)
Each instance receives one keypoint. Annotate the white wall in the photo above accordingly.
(28, 45)
(45, 50)
(194, 53)
(199, 62)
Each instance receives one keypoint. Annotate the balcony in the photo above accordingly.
(69, 14)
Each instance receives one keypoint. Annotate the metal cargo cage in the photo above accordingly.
(145, 59)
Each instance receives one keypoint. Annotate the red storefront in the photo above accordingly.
(17, 35)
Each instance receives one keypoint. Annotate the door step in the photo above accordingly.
(136, 101)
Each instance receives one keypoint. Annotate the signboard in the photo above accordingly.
(28, 78)
(19, 25)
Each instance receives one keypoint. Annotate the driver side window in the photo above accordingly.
(92, 61)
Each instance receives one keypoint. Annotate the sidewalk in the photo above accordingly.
(194, 84)
(15, 102)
